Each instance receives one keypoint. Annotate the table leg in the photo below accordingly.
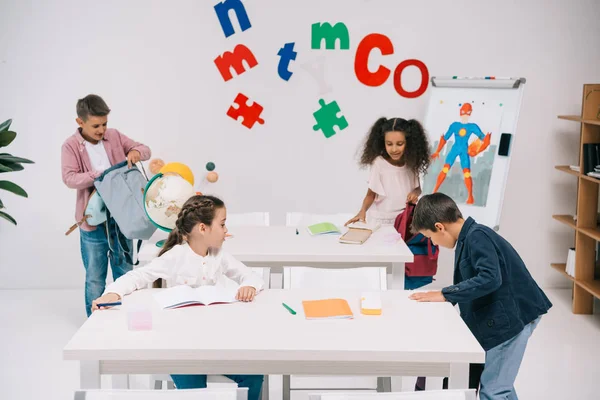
(459, 376)
(120, 381)
(265, 388)
(287, 390)
(384, 384)
(397, 282)
(89, 374)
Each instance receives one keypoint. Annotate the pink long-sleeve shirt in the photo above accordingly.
(77, 170)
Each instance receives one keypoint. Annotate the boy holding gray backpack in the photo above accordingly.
(90, 151)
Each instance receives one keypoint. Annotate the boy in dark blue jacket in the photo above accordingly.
(498, 299)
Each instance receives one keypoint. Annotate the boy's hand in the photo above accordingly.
(436, 296)
(133, 157)
(107, 298)
(246, 293)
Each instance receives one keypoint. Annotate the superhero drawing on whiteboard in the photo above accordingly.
(461, 148)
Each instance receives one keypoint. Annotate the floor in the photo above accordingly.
(562, 360)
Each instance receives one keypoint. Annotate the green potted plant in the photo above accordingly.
(9, 163)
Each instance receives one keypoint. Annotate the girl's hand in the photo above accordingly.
(413, 196)
(107, 298)
(246, 293)
(361, 216)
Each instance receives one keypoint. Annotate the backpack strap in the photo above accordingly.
(121, 242)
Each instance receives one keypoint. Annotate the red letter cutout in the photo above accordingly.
(361, 61)
(398, 78)
(236, 60)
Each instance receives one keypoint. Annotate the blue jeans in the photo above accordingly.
(252, 382)
(502, 365)
(96, 253)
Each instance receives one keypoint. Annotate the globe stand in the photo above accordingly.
(160, 243)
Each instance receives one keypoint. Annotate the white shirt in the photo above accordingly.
(182, 266)
(392, 184)
(98, 157)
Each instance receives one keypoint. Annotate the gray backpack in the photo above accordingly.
(122, 190)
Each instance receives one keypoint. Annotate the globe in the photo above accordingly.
(164, 197)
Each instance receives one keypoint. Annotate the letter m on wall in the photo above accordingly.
(330, 33)
(235, 60)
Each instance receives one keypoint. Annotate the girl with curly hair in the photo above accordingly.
(397, 151)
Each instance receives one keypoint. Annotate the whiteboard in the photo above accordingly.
(493, 106)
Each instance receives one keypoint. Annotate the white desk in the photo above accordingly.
(279, 245)
(262, 337)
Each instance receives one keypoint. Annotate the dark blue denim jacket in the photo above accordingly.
(496, 294)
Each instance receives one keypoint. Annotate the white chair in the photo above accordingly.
(187, 394)
(357, 278)
(252, 219)
(233, 220)
(467, 394)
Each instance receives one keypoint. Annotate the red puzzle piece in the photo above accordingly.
(250, 114)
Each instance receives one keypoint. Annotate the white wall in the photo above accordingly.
(153, 63)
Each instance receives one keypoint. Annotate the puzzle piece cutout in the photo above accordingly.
(327, 118)
(249, 114)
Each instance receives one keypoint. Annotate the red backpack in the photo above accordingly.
(424, 251)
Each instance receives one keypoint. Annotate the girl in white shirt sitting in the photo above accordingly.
(192, 255)
(397, 151)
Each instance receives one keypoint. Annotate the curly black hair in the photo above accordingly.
(417, 152)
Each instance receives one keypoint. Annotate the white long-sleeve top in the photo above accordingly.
(182, 266)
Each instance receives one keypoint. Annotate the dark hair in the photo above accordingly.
(92, 105)
(198, 209)
(416, 155)
(434, 208)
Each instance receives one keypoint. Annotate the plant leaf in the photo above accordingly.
(10, 158)
(13, 187)
(5, 168)
(6, 137)
(1, 204)
(13, 166)
(8, 217)
(5, 125)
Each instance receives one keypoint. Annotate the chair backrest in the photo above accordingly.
(357, 278)
(248, 219)
(186, 394)
(252, 219)
(305, 219)
(467, 394)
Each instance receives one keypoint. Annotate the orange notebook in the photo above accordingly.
(327, 309)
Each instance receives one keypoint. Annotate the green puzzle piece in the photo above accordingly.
(327, 118)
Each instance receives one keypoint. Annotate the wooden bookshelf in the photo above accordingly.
(566, 219)
(577, 118)
(586, 229)
(565, 168)
(562, 268)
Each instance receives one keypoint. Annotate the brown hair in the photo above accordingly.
(434, 208)
(92, 105)
(416, 156)
(198, 209)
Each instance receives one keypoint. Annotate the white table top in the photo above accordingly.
(264, 330)
(280, 244)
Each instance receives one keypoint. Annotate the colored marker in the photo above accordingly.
(116, 303)
(289, 309)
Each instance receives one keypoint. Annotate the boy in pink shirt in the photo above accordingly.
(86, 154)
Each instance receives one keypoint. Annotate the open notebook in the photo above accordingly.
(327, 309)
(183, 295)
